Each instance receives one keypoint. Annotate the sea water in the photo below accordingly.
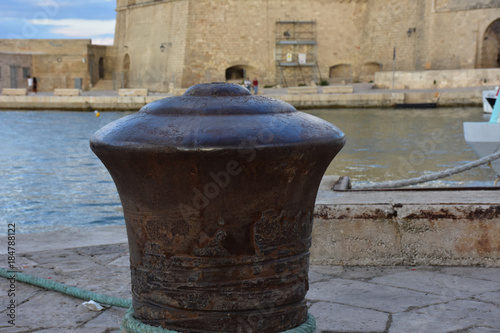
(50, 179)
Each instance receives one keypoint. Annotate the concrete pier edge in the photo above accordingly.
(362, 97)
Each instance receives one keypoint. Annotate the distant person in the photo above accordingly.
(30, 83)
(34, 85)
(248, 84)
(255, 85)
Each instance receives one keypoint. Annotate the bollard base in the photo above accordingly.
(132, 325)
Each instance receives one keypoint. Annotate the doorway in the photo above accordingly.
(490, 51)
(101, 68)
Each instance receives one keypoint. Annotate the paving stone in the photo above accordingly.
(110, 318)
(362, 273)
(103, 249)
(483, 330)
(53, 310)
(23, 292)
(491, 274)
(21, 262)
(450, 317)
(491, 297)
(63, 260)
(437, 283)
(109, 280)
(332, 317)
(370, 296)
(327, 270)
(315, 277)
(105, 259)
(123, 261)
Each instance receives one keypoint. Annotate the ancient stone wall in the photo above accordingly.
(14, 62)
(150, 41)
(55, 62)
(184, 42)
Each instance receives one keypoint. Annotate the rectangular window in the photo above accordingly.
(26, 72)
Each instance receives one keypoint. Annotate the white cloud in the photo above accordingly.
(103, 41)
(79, 28)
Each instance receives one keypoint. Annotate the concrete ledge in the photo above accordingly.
(407, 228)
(133, 92)
(419, 98)
(14, 92)
(438, 79)
(67, 92)
(343, 100)
(338, 89)
(302, 90)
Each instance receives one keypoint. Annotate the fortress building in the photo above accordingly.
(160, 44)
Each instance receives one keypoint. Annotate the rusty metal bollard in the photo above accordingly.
(218, 190)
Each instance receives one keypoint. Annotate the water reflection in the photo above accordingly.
(50, 179)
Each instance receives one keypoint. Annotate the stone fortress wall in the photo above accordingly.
(185, 42)
(165, 44)
(56, 63)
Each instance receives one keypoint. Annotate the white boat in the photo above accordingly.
(484, 139)
(489, 98)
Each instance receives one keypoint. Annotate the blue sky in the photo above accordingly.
(58, 19)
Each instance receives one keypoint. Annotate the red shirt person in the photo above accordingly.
(255, 85)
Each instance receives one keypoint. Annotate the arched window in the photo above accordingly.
(368, 70)
(234, 73)
(490, 51)
(341, 73)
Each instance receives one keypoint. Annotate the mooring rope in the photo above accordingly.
(431, 176)
(130, 324)
(64, 289)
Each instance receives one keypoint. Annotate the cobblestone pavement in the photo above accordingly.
(343, 299)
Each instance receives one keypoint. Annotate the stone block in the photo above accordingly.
(179, 91)
(302, 90)
(14, 92)
(67, 92)
(338, 90)
(132, 92)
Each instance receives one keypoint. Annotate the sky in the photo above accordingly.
(58, 19)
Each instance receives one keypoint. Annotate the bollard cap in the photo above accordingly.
(215, 116)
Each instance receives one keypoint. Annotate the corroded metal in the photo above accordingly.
(218, 190)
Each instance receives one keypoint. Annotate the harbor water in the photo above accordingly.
(50, 179)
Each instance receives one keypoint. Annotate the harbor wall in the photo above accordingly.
(306, 101)
(438, 79)
(424, 226)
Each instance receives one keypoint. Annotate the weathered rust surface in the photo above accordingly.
(218, 190)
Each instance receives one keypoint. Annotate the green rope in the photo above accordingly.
(133, 325)
(130, 324)
(68, 290)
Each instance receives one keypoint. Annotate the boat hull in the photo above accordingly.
(484, 139)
